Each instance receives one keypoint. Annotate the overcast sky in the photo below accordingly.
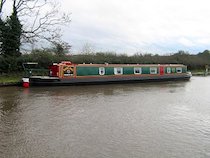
(129, 26)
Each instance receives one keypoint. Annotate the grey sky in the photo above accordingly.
(129, 26)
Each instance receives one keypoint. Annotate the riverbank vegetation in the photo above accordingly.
(7, 79)
(29, 22)
(195, 62)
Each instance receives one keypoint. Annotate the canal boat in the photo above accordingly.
(67, 73)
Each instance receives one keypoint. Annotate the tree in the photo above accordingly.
(61, 48)
(10, 42)
(87, 49)
(1, 24)
(10, 35)
(41, 19)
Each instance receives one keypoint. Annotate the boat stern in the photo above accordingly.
(25, 82)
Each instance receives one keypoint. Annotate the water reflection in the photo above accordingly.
(110, 89)
(9, 99)
(120, 120)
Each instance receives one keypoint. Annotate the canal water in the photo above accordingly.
(145, 120)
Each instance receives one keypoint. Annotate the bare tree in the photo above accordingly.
(87, 49)
(41, 19)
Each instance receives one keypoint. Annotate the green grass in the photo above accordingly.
(199, 72)
(10, 78)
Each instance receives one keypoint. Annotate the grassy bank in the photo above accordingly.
(199, 73)
(10, 79)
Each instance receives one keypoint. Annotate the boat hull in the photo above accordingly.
(42, 81)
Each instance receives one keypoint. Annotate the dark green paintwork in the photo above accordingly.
(109, 71)
(145, 70)
(128, 70)
(87, 71)
(184, 69)
(174, 69)
(165, 69)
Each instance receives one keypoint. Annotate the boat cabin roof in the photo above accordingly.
(117, 65)
(106, 64)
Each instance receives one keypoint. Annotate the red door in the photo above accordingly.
(161, 70)
(53, 70)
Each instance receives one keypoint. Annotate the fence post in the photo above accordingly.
(207, 70)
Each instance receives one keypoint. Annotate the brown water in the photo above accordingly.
(107, 121)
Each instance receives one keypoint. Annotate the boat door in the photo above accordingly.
(161, 69)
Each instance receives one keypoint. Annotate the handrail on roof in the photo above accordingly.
(28, 63)
(31, 63)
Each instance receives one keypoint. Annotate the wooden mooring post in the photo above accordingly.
(206, 70)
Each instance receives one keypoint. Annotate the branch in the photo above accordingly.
(41, 20)
(1, 6)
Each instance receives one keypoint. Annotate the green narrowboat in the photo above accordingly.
(67, 73)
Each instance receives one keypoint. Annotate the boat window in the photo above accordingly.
(153, 70)
(118, 71)
(179, 70)
(168, 70)
(137, 70)
(101, 70)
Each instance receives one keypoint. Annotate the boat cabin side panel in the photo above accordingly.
(64, 70)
